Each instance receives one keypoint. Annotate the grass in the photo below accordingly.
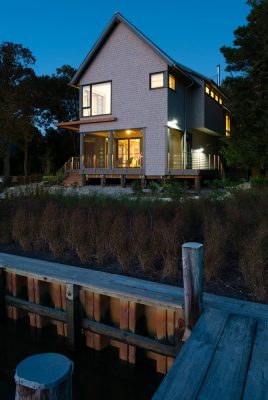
(138, 234)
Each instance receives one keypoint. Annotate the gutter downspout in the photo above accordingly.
(185, 125)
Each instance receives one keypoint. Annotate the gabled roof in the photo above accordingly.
(116, 19)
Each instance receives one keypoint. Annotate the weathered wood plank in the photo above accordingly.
(227, 372)
(132, 316)
(193, 268)
(128, 337)
(35, 308)
(161, 334)
(72, 314)
(133, 289)
(256, 386)
(123, 349)
(194, 358)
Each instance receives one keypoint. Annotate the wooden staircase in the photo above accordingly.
(69, 175)
(73, 178)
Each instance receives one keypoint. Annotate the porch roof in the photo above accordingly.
(75, 125)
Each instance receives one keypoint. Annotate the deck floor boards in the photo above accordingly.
(229, 363)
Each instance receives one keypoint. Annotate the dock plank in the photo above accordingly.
(227, 372)
(185, 377)
(124, 287)
(257, 379)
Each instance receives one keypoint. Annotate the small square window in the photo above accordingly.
(157, 80)
(212, 94)
(216, 97)
(171, 82)
(220, 100)
(207, 90)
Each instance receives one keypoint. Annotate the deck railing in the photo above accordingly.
(194, 160)
(73, 164)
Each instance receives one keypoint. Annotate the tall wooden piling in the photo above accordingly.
(193, 269)
(72, 313)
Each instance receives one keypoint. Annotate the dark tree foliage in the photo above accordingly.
(16, 73)
(30, 106)
(247, 85)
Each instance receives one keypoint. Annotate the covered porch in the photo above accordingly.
(112, 152)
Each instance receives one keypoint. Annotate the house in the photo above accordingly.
(142, 114)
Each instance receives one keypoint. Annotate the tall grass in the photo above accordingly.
(144, 235)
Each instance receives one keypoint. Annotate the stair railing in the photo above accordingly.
(73, 164)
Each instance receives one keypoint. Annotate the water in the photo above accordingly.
(97, 375)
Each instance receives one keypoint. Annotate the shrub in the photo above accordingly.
(215, 245)
(253, 262)
(154, 187)
(143, 241)
(81, 233)
(26, 227)
(136, 186)
(52, 229)
(120, 241)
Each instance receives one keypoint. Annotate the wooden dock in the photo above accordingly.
(225, 358)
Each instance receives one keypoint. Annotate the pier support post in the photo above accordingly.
(103, 180)
(197, 184)
(123, 181)
(193, 269)
(72, 310)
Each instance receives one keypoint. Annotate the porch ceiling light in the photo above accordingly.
(128, 132)
(200, 150)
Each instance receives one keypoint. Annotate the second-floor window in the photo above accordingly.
(157, 80)
(96, 99)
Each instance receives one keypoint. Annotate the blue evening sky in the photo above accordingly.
(62, 31)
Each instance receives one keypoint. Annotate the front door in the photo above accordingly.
(129, 153)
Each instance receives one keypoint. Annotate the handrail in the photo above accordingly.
(72, 164)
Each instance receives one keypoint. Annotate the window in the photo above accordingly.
(212, 94)
(157, 80)
(216, 97)
(96, 99)
(227, 126)
(171, 82)
(207, 90)
(220, 101)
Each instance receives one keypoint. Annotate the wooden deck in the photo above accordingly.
(142, 291)
(225, 359)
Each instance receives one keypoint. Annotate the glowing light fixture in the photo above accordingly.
(173, 124)
(128, 132)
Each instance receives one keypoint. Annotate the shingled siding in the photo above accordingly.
(127, 62)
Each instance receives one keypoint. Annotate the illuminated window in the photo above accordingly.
(96, 99)
(207, 90)
(212, 94)
(171, 82)
(157, 80)
(227, 125)
(220, 100)
(216, 97)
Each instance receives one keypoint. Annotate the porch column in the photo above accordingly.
(82, 135)
(110, 166)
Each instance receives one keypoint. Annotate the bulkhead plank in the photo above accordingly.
(257, 379)
(226, 375)
(185, 377)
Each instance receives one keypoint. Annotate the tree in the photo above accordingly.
(247, 63)
(15, 73)
(57, 102)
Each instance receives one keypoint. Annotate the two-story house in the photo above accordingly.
(142, 114)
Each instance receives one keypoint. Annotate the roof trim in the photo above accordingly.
(116, 19)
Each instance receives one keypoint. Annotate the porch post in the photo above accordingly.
(111, 150)
(82, 150)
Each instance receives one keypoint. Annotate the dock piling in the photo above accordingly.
(193, 268)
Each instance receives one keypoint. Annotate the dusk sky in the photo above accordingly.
(62, 31)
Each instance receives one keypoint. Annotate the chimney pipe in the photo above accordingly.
(218, 75)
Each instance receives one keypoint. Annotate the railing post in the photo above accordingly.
(193, 268)
(72, 311)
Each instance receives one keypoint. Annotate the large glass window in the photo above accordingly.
(96, 99)
(157, 80)
(227, 125)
